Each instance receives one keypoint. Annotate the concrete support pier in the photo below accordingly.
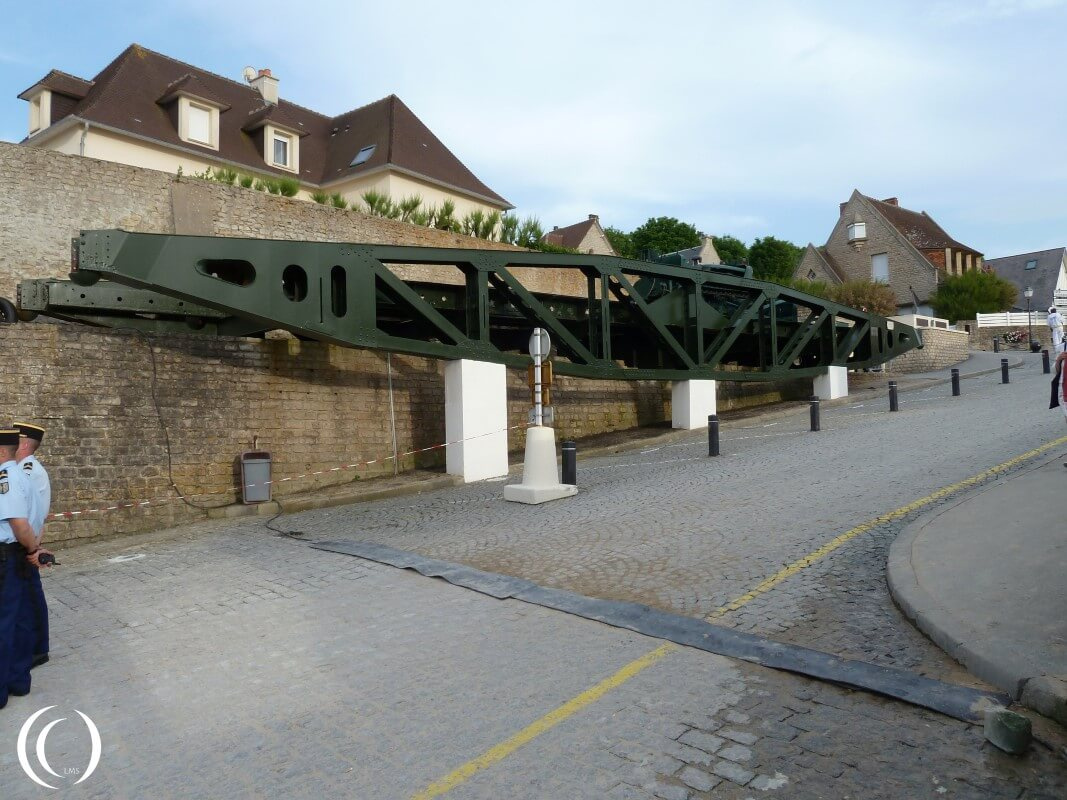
(692, 402)
(833, 384)
(476, 405)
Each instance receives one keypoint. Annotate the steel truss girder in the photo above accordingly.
(637, 320)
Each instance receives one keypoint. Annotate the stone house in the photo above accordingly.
(148, 110)
(585, 237)
(703, 253)
(1044, 271)
(879, 240)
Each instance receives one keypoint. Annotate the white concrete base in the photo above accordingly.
(540, 475)
(476, 405)
(833, 384)
(692, 402)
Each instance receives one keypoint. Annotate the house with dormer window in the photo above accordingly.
(879, 240)
(149, 110)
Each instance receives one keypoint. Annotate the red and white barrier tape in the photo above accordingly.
(164, 500)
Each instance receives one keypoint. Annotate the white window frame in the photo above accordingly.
(874, 276)
(40, 111)
(186, 105)
(857, 231)
(272, 132)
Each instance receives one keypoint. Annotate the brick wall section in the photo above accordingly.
(941, 349)
(982, 338)
(46, 198)
(314, 406)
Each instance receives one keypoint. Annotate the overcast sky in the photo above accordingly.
(750, 118)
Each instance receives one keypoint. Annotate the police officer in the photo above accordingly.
(17, 540)
(30, 438)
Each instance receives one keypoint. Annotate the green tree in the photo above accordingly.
(874, 297)
(664, 235)
(621, 241)
(974, 292)
(731, 250)
(773, 259)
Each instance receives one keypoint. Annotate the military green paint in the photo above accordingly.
(638, 321)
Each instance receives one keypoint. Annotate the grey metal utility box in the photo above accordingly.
(255, 476)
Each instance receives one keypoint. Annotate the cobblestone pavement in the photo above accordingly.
(228, 661)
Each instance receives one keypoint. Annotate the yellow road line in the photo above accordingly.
(548, 721)
(553, 718)
(792, 569)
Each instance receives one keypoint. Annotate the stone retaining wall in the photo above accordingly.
(941, 349)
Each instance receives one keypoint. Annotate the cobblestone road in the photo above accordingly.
(228, 661)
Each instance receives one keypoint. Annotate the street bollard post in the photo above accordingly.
(1004, 371)
(570, 464)
(996, 344)
(815, 426)
(713, 435)
(893, 405)
(955, 382)
(1045, 366)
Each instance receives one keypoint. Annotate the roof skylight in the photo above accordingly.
(363, 156)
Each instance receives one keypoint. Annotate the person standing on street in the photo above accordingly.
(30, 438)
(17, 541)
(1055, 324)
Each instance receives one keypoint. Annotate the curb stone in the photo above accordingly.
(1044, 694)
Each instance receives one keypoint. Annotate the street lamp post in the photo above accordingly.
(1029, 319)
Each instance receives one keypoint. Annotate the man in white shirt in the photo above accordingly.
(1055, 324)
(30, 438)
(17, 542)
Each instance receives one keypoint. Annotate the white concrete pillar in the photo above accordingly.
(692, 402)
(476, 405)
(833, 384)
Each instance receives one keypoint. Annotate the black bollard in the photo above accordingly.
(996, 344)
(713, 435)
(1045, 366)
(1004, 371)
(570, 463)
(955, 382)
(815, 415)
(893, 406)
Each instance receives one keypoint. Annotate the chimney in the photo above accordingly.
(891, 201)
(841, 213)
(594, 217)
(267, 85)
(555, 227)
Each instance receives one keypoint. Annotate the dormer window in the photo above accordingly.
(857, 231)
(281, 148)
(40, 111)
(198, 122)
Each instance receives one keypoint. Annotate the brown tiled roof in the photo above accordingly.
(124, 97)
(918, 227)
(191, 85)
(62, 83)
(571, 236)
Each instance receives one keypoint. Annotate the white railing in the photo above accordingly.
(1010, 318)
(1060, 298)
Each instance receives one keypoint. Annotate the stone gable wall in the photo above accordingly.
(906, 267)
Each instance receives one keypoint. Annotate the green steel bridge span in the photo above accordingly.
(629, 319)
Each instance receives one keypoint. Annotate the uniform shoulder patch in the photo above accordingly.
(27, 467)
(4, 486)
